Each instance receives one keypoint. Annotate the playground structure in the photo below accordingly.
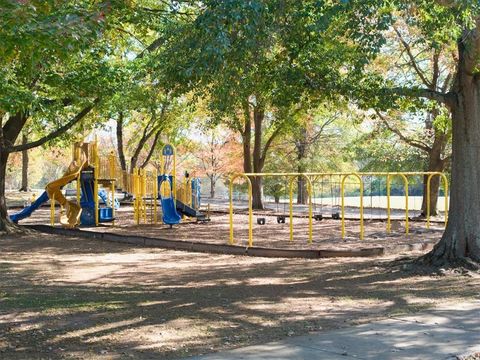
(312, 178)
(98, 177)
(95, 182)
(178, 199)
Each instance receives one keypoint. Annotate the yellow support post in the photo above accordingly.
(174, 175)
(144, 194)
(405, 185)
(389, 226)
(52, 210)
(155, 196)
(96, 173)
(136, 195)
(342, 191)
(291, 209)
(250, 210)
(79, 187)
(112, 189)
(310, 209)
(112, 165)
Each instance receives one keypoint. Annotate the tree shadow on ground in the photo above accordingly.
(64, 297)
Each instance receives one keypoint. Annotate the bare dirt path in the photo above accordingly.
(68, 298)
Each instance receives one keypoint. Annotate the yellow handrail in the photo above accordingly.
(445, 190)
(250, 211)
(309, 190)
(405, 184)
(342, 191)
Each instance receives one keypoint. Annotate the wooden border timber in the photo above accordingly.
(210, 248)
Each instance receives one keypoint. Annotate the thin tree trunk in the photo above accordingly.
(212, 187)
(24, 186)
(257, 193)
(4, 222)
(301, 147)
(258, 161)
(152, 149)
(460, 243)
(121, 152)
(8, 136)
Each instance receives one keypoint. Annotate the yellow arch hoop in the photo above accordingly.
(342, 191)
(309, 190)
(405, 184)
(250, 211)
(445, 190)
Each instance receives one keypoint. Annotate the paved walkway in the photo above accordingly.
(447, 333)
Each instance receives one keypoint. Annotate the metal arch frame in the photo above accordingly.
(343, 176)
(342, 194)
(250, 210)
(294, 176)
(445, 190)
(405, 184)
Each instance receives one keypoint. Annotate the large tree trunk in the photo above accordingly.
(258, 160)
(24, 186)
(460, 243)
(4, 222)
(257, 193)
(301, 147)
(253, 162)
(8, 136)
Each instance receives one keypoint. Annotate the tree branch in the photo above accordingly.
(60, 131)
(443, 98)
(152, 149)
(405, 139)
(269, 141)
(413, 61)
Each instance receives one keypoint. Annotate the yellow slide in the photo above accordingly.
(71, 217)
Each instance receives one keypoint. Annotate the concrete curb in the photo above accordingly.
(193, 246)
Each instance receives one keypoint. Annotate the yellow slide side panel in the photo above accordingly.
(71, 217)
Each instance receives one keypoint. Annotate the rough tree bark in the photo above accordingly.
(24, 186)
(9, 133)
(254, 161)
(213, 182)
(258, 160)
(301, 147)
(4, 223)
(460, 243)
(119, 131)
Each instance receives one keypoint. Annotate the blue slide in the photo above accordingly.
(170, 214)
(107, 200)
(26, 212)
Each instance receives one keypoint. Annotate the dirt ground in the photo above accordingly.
(326, 233)
(70, 298)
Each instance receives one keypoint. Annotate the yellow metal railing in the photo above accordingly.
(405, 184)
(145, 187)
(445, 191)
(342, 193)
(342, 177)
(310, 212)
(250, 210)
